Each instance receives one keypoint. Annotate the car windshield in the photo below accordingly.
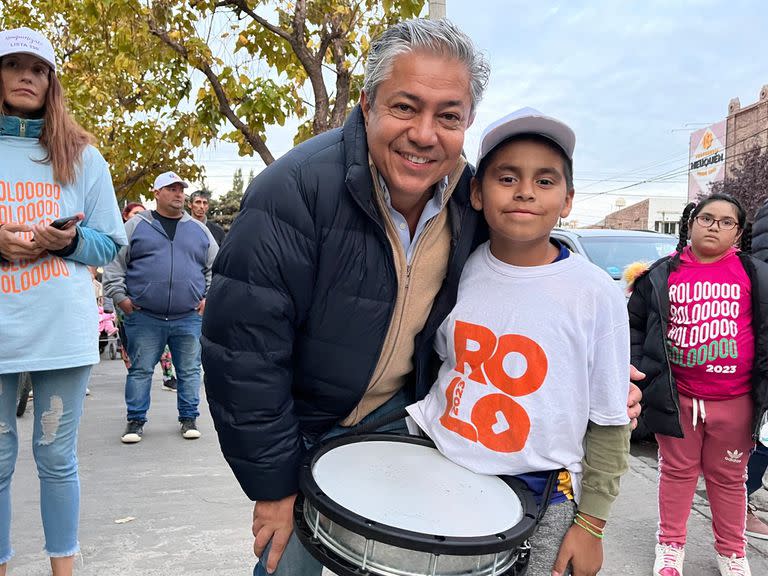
(614, 253)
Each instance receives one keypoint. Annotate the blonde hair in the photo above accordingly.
(633, 271)
(63, 138)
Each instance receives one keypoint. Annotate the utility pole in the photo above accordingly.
(437, 9)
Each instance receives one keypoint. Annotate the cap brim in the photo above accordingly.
(552, 129)
(163, 185)
(31, 53)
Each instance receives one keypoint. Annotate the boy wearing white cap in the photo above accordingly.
(535, 353)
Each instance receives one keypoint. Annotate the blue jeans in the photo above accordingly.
(297, 560)
(58, 406)
(147, 338)
(758, 462)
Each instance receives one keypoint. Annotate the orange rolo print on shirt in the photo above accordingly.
(29, 202)
(498, 422)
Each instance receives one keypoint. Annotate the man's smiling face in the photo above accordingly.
(416, 123)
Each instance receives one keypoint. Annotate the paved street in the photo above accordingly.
(169, 506)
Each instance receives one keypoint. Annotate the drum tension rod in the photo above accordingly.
(317, 525)
(495, 564)
(433, 564)
(364, 567)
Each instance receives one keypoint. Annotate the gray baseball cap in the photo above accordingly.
(527, 121)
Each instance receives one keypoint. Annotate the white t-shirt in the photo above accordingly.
(530, 355)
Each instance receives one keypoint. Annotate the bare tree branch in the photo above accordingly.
(256, 141)
(123, 187)
(242, 5)
(313, 67)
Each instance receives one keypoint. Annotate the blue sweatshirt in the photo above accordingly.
(48, 315)
(165, 278)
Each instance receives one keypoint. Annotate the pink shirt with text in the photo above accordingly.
(710, 342)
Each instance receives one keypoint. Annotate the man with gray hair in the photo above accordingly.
(340, 267)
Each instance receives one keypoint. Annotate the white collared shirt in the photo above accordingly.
(431, 209)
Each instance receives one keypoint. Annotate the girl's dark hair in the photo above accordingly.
(692, 210)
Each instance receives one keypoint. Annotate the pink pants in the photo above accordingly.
(719, 448)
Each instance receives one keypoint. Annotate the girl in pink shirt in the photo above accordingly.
(698, 331)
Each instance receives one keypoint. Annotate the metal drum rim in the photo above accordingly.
(329, 553)
(431, 543)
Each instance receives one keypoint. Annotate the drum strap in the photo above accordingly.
(547, 496)
(374, 425)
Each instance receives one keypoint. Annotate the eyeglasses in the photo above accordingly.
(722, 223)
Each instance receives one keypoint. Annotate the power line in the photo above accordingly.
(617, 181)
(641, 169)
(663, 177)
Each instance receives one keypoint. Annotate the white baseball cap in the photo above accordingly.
(27, 41)
(527, 121)
(168, 178)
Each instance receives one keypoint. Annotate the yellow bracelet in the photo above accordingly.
(595, 526)
(588, 529)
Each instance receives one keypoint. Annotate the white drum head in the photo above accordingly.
(414, 487)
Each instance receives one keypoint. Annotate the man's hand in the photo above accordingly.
(272, 521)
(51, 239)
(127, 306)
(201, 307)
(13, 247)
(581, 550)
(635, 395)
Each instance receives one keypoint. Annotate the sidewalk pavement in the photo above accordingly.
(168, 506)
(630, 534)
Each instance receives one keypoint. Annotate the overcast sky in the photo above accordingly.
(632, 78)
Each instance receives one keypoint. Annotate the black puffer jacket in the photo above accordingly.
(303, 291)
(648, 318)
(760, 234)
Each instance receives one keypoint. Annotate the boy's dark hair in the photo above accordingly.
(692, 210)
(488, 158)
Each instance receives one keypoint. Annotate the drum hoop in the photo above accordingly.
(399, 537)
(341, 565)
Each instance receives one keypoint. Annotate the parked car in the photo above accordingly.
(613, 250)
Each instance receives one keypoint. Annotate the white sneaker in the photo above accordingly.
(669, 560)
(733, 566)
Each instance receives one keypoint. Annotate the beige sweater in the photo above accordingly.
(418, 284)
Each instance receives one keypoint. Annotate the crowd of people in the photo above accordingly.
(374, 275)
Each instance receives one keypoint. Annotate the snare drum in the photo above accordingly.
(394, 506)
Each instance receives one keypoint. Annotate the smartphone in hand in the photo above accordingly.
(66, 222)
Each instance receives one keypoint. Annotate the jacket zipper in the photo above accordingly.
(170, 278)
(399, 320)
(170, 283)
(672, 390)
(409, 266)
(22, 128)
(756, 376)
(375, 218)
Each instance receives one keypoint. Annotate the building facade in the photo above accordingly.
(747, 128)
(657, 214)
